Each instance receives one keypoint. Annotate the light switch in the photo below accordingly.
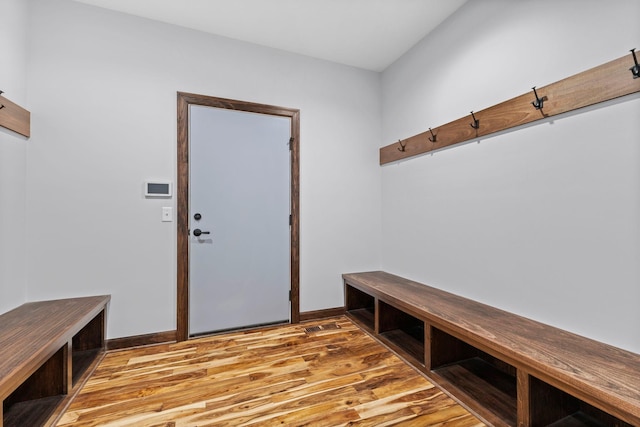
(167, 214)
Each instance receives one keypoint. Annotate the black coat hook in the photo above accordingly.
(539, 102)
(1, 92)
(476, 122)
(1, 106)
(635, 70)
(401, 148)
(433, 137)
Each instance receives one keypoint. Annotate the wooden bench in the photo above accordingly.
(505, 368)
(47, 351)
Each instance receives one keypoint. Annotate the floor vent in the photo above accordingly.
(318, 328)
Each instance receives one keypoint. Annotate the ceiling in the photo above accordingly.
(369, 34)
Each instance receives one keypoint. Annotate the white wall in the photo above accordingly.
(103, 89)
(543, 221)
(13, 68)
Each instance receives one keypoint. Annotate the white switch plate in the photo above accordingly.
(167, 214)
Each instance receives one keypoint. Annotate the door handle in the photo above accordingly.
(197, 232)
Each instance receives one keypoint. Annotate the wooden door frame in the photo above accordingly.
(182, 191)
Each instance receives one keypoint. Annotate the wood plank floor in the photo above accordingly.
(324, 373)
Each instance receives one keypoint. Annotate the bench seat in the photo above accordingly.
(541, 374)
(46, 348)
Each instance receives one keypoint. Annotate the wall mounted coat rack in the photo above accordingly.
(14, 117)
(602, 83)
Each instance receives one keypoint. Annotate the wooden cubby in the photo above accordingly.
(402, 331)
(35, 400)
(49, 349)
(361, 306)
(550, 406)
(86, 345)
(488, 359)
(486, 384)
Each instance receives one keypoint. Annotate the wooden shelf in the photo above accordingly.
(81, 361)
(483, 388)
(365, 317)
(554, 407)
(360, 307)
(14, 117)
(403, 331)
(599, 84)
(484, 383)
(48, 350)
(31, 413)
(578, 419)
(405, 344)
(488, 358)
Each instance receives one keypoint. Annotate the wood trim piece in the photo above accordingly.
(184, 100)
(182, 223)
(14, 117)
(602, 83)
(322, 314)
(141, 340)
(295, 216)
(524, 392)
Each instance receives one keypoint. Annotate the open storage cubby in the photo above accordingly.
(483, 382)
(33, 402)
(86, 345)
(361, 306)
(550, 406)
(404, 332)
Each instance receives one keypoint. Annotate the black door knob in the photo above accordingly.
(197, 232)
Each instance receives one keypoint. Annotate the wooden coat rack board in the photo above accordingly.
(603, 83)
(14, 117)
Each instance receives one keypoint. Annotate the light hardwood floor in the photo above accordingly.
(324, 373)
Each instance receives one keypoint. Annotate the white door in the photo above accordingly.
(239, 251)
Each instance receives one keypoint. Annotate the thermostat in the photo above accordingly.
(157, 189)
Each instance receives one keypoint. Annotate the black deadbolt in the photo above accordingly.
(197, 217)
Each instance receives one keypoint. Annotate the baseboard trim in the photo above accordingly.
(141, 340)
(322, 314)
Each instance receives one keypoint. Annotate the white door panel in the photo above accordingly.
(240, 185)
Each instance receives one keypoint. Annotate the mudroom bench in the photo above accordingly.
(508, 370)
(47, 351)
